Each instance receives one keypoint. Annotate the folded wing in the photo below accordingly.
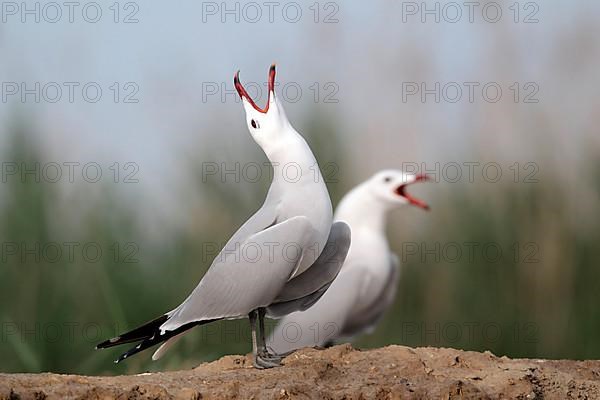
(304, 290)
(246, 275)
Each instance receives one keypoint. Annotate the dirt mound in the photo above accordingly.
(394, 372)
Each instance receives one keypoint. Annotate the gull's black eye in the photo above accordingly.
(387, 179)
(254, 124)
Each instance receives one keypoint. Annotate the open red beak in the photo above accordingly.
(401, 191)
(244, 95)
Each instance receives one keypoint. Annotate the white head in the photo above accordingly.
(368, 203)
(390, 188)
(268, 124)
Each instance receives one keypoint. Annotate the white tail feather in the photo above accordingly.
(166, 346)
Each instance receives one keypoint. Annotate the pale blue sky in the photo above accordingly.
(170, 52)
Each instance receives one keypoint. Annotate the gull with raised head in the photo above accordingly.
(366, 285)
(301, 251)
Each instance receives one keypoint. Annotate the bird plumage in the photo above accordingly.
(296, 214)
(367, 283)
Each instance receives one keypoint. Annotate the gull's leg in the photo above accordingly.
(263, 351)
(252, 318)
(259, 361)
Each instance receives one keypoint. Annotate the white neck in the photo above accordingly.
(361, 210)
(292, 159)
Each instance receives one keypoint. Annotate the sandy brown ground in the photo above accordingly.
(393, 372)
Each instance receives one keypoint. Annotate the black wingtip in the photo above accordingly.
(123, 356)
(158, 338)
(109, 343)
(140, 333)
(102, 345)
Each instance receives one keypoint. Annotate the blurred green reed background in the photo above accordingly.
(538, 302)
(539, 298)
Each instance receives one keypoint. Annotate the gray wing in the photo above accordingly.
(245, 276)
(303, 291)
(262, 219)
(366, 321)
(323, 321)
